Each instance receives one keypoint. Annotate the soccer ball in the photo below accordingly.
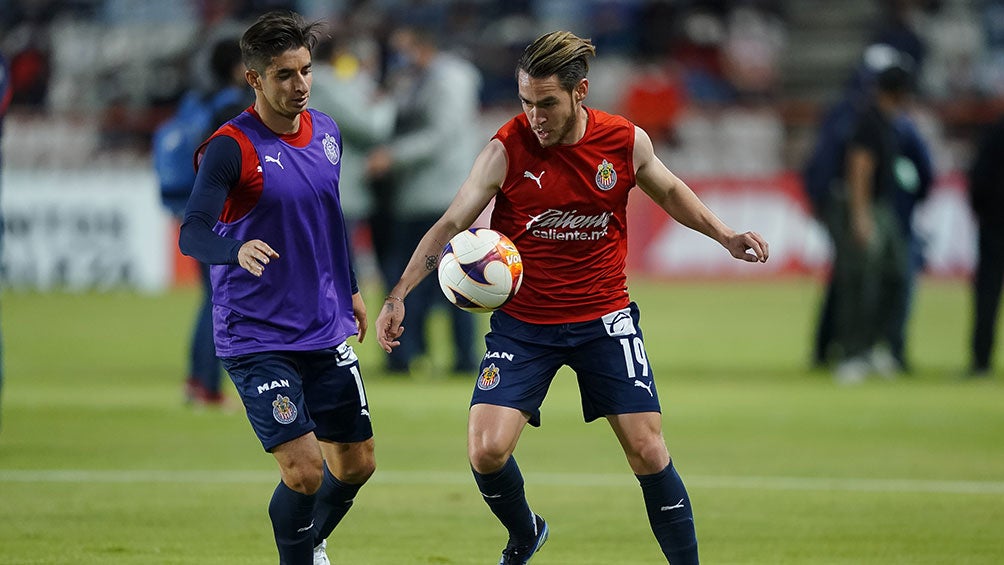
(480, 270)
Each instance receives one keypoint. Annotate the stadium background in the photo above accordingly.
(729, 89)
(101, 463)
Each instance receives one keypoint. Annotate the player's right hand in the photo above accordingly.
(254, 255)
(388, 324)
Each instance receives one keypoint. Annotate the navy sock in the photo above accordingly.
(291, 513)
(670, 515)
(503, 491)
(333, 500)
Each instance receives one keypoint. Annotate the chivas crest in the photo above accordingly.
(606, 176)
(283, 410)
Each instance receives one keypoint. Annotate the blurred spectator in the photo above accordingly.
(6, 93)
(992, 68)
(986, 191)
(823, 179)
(434, 144)
(953, 47)
(29, 74)
(751, 51)
(653, 99)
(698, 50)
(898, 28)
(871, 263)
(230, 96)
(346, 88)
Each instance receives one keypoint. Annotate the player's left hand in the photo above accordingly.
(254, 255)
(749, 246)
(359, 311)
(388, 323)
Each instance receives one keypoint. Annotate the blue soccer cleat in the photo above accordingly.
(521, 554)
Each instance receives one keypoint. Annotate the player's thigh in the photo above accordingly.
(335, 395)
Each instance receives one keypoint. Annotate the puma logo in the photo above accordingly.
(536, 179)
(271, 159)
(647, 387)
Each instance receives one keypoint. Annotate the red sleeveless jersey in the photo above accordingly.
(565, 208)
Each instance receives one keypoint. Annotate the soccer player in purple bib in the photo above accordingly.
(265, 212)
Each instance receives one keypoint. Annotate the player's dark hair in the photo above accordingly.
(560, 53)
(273, 34)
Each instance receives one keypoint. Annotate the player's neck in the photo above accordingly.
(579, 129)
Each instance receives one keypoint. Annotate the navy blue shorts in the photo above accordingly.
(607, 355)
(289, 393)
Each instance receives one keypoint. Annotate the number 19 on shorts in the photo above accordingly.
(634, 351)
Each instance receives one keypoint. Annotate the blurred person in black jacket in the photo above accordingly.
(986, 193)
(823, 178)
(871, 267)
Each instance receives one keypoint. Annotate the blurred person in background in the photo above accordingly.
(229, 97)
(346, 87)
(6, 94)
(986, 193)
(434, 142)
(265, 214)
(871, 266)
(568, 169)
(823, 182)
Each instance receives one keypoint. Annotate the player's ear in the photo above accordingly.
(253, 78)
(581, 90)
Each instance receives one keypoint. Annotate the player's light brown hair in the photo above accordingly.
(273, 34)
(560, 53)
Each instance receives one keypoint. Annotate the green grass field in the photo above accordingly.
(101, 463)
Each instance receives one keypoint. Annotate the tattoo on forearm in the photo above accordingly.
(431, 262)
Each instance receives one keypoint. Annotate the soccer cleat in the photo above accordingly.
(883, 363)
(851, 371)
(321, 556)
(521, 554)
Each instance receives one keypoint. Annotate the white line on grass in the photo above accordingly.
(830, 484)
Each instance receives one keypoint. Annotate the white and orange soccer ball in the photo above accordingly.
(480, 270)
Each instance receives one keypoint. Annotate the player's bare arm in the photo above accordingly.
(254, 255)
(679, 201)
(481, 185)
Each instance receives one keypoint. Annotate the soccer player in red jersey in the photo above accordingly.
(560, 174)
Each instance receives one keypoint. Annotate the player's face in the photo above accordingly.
(286, 84)
(555, 114)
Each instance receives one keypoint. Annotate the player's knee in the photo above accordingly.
(303, 477)
(647, 455)
(358, 472)
(487, 458)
